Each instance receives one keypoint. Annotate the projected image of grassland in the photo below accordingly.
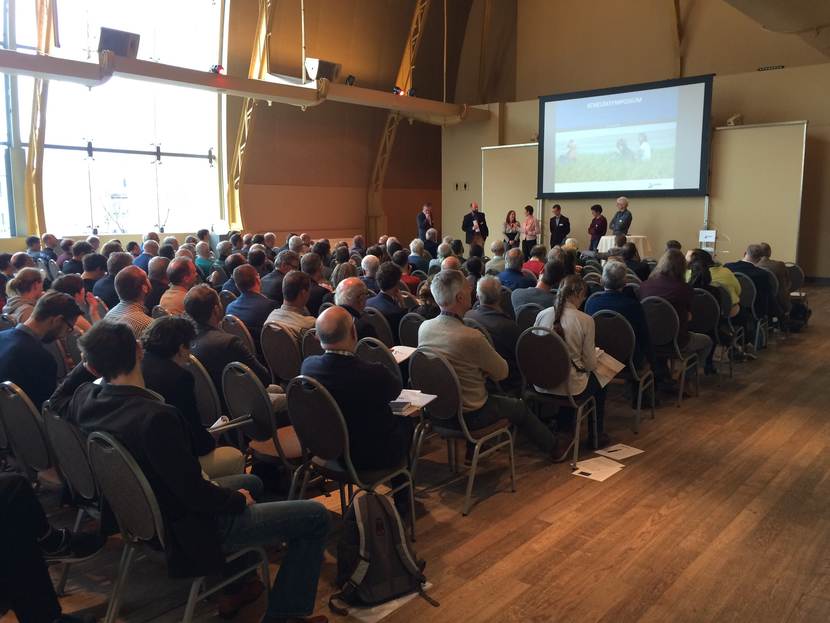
(610, 166)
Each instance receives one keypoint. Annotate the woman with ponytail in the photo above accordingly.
(23, 292)
(576, 328)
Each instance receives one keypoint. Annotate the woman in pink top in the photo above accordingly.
(530, 232)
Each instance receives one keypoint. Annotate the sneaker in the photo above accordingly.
(75, 545)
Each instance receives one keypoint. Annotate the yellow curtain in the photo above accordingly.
(33, 190)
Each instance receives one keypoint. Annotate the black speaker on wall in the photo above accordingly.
(119, 42)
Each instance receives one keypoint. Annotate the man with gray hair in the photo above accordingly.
(512, 276)
(496, 263)
(296, 244)
(416, 256)
(779, 269)
(764, 299)
(474, 361)
(351, 295)
(148, 252)
(172, 241)
(500, 325)
(431, 242)
(370, 265)
(272, 282)
(444, 251)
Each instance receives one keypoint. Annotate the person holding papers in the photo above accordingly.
(378, 439)
(576, 328)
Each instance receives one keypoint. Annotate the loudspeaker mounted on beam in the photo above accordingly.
(318, 68)
(119, 42)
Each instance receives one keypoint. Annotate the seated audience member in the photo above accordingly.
(613, 298)
(458, 249)
(668, 281)
(293, 315)
(393, 245)
(779, 269)
(502, 328)
(700, 277)
(204, 521)
(6, 273)
(73, 285)
(95, 269)
(496, 263)
(512, 276)
(474, 268)
(28, 541)
(378, 439)
(401, 260)
(427, 308)
(159, 282)
(312, 265)
(75, 263)
(204, 259)
(566, 258)
(370, 264)
(33, 248)
(388, 301)
(451, 263)
(674, 244)
(181, 273)
(21, 260)
(358, 246)
(104, 288)
(250, 307)
(23, 358)
(544, 293)
(235, 239)
(431, 242)
(132, 287)
(296, 244)
(223, 250)
(351, 295)
(151, 235)
(416, 256)
(765, 302)
(133, 248)
(259, 260)
(113, 246)
(577, 330)
(272, 282)
(631, 258)
(720, 276)
(166, 344)
(167, 250)
(94, 242)
(66, 251)
(50, 247)
(536, 263)
(22, 293)
(234, 261)
(172, 241)
(341, 272)
(150, 250)
(443, 251)
(474, 361)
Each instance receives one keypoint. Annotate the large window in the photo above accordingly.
(128, 155)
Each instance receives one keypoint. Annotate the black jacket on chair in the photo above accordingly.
(157, 437)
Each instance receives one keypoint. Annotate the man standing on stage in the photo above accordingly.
(475, 225)
(560, 226)
(424, 221)
(621, 222)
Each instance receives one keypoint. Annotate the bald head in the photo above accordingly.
(352, 292)
(151, 247)
(131, 284)
(157, 269)
(335, 330)
(451, 263)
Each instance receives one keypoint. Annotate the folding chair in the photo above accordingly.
(281, 352)
(233, 325)
(311, 344)
(159, 312)
(226, 297)
(526, 315)
(380, 325)
(748, 297)
(408, 329)
(375, 351)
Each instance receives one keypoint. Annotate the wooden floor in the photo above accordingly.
(726, 517)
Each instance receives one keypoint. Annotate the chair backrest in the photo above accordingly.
(103, 308)
(475, 324)
(245, 396)
(6, 322)
(590, 268)
(593, 287)
(324, 307)
(543, 358)
(591, 277)
(430, 373)
(748, 293)
(24, 428)
(614, 335)
(632, 278)
(380, 325)
(375, 351)
(159, 312)
(126, 489)
(661, 319)
(773, 281)
(633, 288)
(705, 313)
(585, 305)
(317, 419)
(506, 302)
(434, 269)
(226, 297)
(52, 269)
(526, 315)
(594, 263)
(408, 329)
(311, 344)
(419, 274)
(70, 450)
(281, 351)
(233, 325)
(207, 398)
(796, 277)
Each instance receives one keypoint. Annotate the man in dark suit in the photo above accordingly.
(200, 516)
(560, 226)
(632, 260)
(159, 281)
(250, 306)
(23, 359)
(272, 282)
(388, 301)
(764, 299)
(105, 287)
(431, 243)
(378, 439)
(424, 221)
(351, 295)
(475, 225)
(312, 265)
(149, 251)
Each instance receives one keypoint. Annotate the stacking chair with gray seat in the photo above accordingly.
(614, 335)
(663, 327)
(526, 315)
(430, 373)
(226, 297)
(754, 322)
(506, 301)
(705, 315)
(322, 430)
(281, 352)
(324, 307)
(24, 429)
(380, 325)
(233, 325)
(136, 509)
(408, 329)
(6, 322)
(311, 344)
(729, 336)
(374, 351)
(159, 312)
(797, 293)
(545, 363)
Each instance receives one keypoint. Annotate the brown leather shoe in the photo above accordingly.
(229, 604)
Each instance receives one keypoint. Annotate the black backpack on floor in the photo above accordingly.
(375, 562)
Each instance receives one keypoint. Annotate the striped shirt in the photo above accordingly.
(131, 314)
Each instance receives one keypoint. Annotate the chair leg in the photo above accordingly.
(576, 437)
(682, 384)
(417, 441)
(470, 479)
(191, 600)
(512, 463)
(653, 397)
(120, 583)
(305, 483)
(295, 479)
(351, 492)
(65, 570)
(412, 507)
(697, 377)
(639, 407)
(342, 489)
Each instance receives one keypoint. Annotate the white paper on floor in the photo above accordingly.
(376, 613)
(599, 468)
(619, 451)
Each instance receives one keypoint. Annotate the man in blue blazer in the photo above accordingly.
(388, 300)
(251, 307)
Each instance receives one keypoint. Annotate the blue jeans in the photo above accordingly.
(303, 525)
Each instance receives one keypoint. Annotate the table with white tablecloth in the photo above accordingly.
(641, 242)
